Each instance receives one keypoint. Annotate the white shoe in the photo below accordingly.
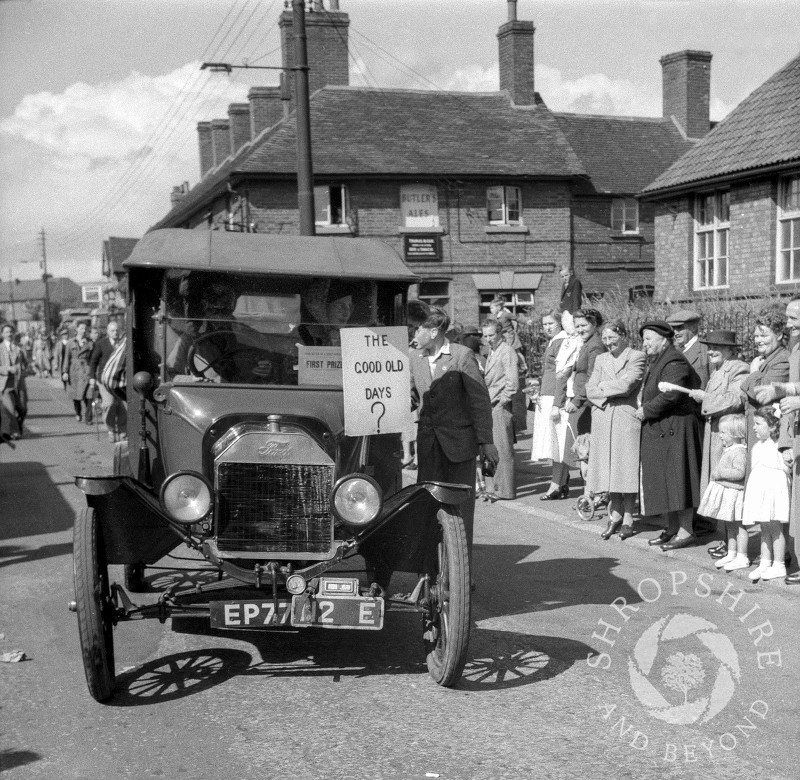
(774, 572)
(758, 572)
(719, 563)
(739, 562)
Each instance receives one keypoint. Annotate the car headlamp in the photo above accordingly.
(356, 500)
(186, 497)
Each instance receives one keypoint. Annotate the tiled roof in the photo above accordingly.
(763, 130)
(623, 154)
(61, 290)
(115, 252)
(360, 131)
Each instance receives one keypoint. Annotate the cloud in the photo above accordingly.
(99, 160)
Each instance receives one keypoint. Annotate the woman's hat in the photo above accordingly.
(721, 338)
(659, 326)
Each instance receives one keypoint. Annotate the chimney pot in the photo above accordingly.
(512, 10)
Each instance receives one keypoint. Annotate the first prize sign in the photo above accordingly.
(376, 380)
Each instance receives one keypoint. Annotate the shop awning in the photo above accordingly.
(507, 280)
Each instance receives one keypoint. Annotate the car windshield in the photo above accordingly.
(248, 329)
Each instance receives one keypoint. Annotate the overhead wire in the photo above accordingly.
(171, 111)
(134, 175)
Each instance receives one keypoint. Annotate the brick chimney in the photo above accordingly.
(221, 138)
(239, 120)
(265, 108)
(206, 147)
(326, 37)
(515, 41)
(686, 79)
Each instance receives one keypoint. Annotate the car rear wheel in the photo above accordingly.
(447, 620)
(94, 606)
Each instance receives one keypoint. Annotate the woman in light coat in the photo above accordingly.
(613, 389)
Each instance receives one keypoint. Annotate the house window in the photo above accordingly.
(504, 205)
(92, 293)
(516, 302)
(789, 229)
(625, 215)
(435, 294)
(712, 225)
(332, 205)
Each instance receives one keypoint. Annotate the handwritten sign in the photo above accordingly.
(319, 365)
(377, 382)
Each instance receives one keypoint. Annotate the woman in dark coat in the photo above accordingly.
(671, 447)
(75, 371)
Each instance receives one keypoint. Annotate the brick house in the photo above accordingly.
(727, 213)
(481, 193)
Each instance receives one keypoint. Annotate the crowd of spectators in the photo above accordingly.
(685, 428)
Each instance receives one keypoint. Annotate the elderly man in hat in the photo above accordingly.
(670, 449)
(686, 324)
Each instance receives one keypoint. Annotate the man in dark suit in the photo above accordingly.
(455, 413)
(686, 324)
(571, 291)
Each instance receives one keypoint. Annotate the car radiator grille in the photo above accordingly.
(274, 507)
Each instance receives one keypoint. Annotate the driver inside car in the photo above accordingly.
(214, 339)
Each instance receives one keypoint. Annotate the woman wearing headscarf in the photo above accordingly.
(670, 449)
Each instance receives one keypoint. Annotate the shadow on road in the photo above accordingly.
(9, 759)
(33, 503)
(498, 660)
(511, 580)
(13, 553)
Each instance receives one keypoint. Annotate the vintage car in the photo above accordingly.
(238, 456)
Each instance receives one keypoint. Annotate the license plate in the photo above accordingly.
(361, 612)
(338, 612)
(249, 614)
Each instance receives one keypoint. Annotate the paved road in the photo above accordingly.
(693, 674)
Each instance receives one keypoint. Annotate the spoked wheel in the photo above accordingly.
(447, 620)
(94, 605)
(134, 578)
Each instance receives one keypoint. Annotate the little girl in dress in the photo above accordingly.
(766, 497)
(724, 496)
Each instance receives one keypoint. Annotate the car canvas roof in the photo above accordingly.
(211, 250)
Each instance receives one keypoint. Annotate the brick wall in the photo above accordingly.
(607, 262)
(752, 245)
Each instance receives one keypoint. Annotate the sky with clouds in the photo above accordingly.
(100, 98)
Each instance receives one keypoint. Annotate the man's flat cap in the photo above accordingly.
(682, 316)
(658, 326)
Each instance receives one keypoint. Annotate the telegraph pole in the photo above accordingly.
(305, 175)
(45, 279)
